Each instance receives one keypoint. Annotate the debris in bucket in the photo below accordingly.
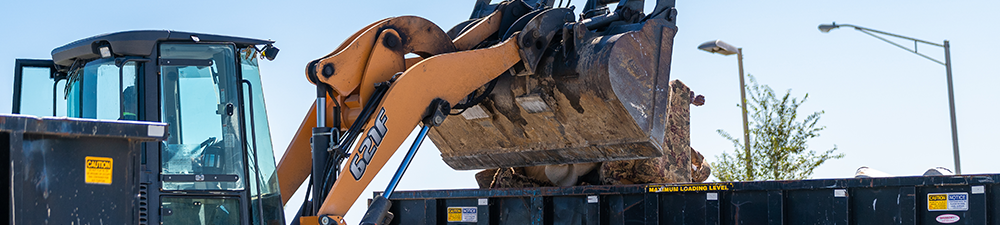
(679, 164)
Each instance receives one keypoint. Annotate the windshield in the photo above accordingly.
(200, 102)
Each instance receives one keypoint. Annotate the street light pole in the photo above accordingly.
(743, 104)
(951, 107)
(947, 64)
(717, 46)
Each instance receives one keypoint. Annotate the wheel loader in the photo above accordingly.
(521, 84)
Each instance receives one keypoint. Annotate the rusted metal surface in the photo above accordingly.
(607, 98)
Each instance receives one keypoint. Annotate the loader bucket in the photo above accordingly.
(606, 100)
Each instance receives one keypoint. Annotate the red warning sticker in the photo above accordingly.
(947, 218)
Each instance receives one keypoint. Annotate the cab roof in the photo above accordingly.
(137, 43)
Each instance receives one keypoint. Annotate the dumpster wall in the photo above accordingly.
(73, 171)
(966, 199)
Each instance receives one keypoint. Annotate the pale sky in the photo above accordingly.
(885, 108)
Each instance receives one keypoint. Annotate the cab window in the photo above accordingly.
(200, 101)
(102, 90)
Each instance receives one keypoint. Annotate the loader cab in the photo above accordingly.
(217, 164)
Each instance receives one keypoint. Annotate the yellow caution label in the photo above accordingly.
(98, 170)
(937, 202)
(690, 187)
(454, 214)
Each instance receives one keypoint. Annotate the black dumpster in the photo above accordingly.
(73, 171)
(965, 199)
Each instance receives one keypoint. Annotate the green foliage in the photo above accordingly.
(778, 145)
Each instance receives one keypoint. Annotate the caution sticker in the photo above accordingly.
(98, 170)
(955, 201)
(463, 214)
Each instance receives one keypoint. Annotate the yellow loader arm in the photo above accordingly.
(402, 110)
(586, 91)
(373, 58)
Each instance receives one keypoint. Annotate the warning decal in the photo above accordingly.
(463, 214)
(98, 170)
(956, 201)
(689, 188)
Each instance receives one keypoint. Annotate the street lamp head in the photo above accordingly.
(717, 46)
(825, 28)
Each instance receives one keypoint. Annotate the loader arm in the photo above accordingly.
(584, 91)
(447, 70)
(449, 77)
(294, 167)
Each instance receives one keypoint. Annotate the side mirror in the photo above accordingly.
(270, 52)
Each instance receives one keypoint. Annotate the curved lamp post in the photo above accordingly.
(825, 28)
(717, 46)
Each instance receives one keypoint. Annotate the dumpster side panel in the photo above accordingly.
(416, 212)
(5, 147)
(994, 205)
(967, 199)
(929, 207)
(877, 206)
(523, 210)
(684, 208)
(817, 206)
(568, 210)
(73, 171)
(749, 207)
(622, 209)
(52, 180)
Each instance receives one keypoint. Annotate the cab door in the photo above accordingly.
(38, 88)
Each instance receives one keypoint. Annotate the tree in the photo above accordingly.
(779, 149)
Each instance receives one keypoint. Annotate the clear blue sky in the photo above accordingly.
(885, 108)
